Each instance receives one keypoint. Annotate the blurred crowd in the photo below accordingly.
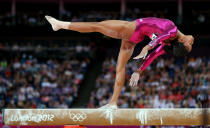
(26, 81)
(174, 84)
(63, 49)
(37, 18)
(131, 14)
(201, 16)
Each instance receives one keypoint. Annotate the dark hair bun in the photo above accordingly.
(177, 48)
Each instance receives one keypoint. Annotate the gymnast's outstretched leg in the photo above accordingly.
(113, 28)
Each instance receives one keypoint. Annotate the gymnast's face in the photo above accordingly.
(188, 41)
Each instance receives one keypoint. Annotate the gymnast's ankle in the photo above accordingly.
(112, 103)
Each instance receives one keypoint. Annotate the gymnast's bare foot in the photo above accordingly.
(109, 106)
(57, 24)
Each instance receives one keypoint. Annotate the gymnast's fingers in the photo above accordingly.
(138, 57)
(131, 82)
(145, 55)
(136, 82)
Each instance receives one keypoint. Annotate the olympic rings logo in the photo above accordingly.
(78, 116)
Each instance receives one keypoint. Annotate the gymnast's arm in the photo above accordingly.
(149, 59)
(158, 52)
(170, 33)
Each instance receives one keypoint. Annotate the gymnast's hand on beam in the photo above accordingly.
(134, 79)
(143, 53)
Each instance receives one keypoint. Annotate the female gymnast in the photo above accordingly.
(162, 32)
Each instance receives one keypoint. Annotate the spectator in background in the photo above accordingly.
(27, 81)
(166, 89)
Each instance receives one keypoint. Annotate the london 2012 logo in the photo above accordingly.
(78, 116)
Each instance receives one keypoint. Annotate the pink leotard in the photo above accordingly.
(158, 30)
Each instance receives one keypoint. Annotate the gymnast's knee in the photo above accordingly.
(91, 27)
(119, 84)
(120, 73)
(96, 27)
(118, 81)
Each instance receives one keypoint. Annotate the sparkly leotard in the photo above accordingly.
(158, 30)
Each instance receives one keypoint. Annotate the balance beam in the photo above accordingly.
(40, 117)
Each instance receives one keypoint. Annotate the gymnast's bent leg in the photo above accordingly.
(113, 28)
